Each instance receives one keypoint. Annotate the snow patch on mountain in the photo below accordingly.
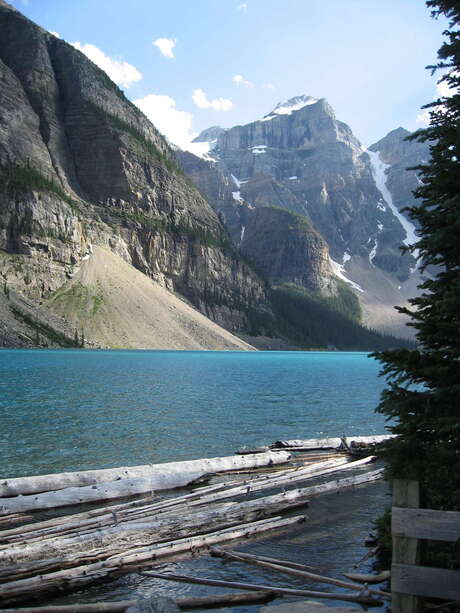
(379, 172)
(258, 149)
(291, 105)
(373, 252)
(339, 271)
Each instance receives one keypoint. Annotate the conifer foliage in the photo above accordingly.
(423, 395)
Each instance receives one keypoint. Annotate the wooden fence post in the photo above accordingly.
(406, 494)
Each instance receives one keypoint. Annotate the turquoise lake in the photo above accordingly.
(73, 409)
(76, 409)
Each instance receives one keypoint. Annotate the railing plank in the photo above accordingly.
(405, 550)
(425, 524)
(426, 581)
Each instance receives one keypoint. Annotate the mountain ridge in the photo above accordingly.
(308, 162)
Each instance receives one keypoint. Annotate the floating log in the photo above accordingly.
(371, 579)
(342, 443)
(286, 563)
(103, 542)
(118, 513)
(312, 443)
(46, 483)
(21, 590)
(97, 493)
(360, 598)
(98, 544)
(185, 604)
(76, 524)
(366, 441)
(278, 568)
(302, 474)
(140, 555)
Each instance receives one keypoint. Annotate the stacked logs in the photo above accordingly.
(71, 551)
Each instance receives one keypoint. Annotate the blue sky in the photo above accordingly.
(366, 57)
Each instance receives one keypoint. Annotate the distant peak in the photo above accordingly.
(291, 105)
(393, 138)
(210, 134)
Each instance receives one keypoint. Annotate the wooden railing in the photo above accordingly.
(410, 525)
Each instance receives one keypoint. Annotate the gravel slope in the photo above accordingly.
(118, 306)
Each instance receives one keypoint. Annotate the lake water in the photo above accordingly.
(77, 409)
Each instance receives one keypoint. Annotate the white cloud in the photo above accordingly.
(166, 46)
(240, 80)
(200, 98)
(175, 125)
(269, 86)
(423, 117)
(243, 7)
(442, 91)
(121, 72)
(56, 34)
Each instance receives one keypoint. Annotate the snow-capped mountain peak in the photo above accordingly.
(291, 105)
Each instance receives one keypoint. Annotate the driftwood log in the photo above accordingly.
(125, 512)
(370, 579)
(337, 443)
(280, 568)
(73, 551)
(362, 597)
(45, 483)
(36, 586)
(101, 542)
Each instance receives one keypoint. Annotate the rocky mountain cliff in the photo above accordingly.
(105, 240)
(81, 166)
(300, 158)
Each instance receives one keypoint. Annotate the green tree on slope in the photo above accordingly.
(423, 394)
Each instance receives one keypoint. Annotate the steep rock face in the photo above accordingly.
(281, 243)
(300, 157)
(218, 188)
(287, 249)
(81, 165)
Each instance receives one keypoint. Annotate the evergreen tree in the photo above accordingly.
(423, 395)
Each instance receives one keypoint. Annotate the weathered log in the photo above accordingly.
(114, 539)
(362, 599)
(363, 441)
(74, 578)
(46, 483)
(99, 544)
(302, 474)
(116, 511)
(311, 443)
(78, 526)
(185, 604)
(96, 493)
(331, 443)
(139, 555)
(286, 563)
(371, 579)
(278, 568)
(111, 515)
